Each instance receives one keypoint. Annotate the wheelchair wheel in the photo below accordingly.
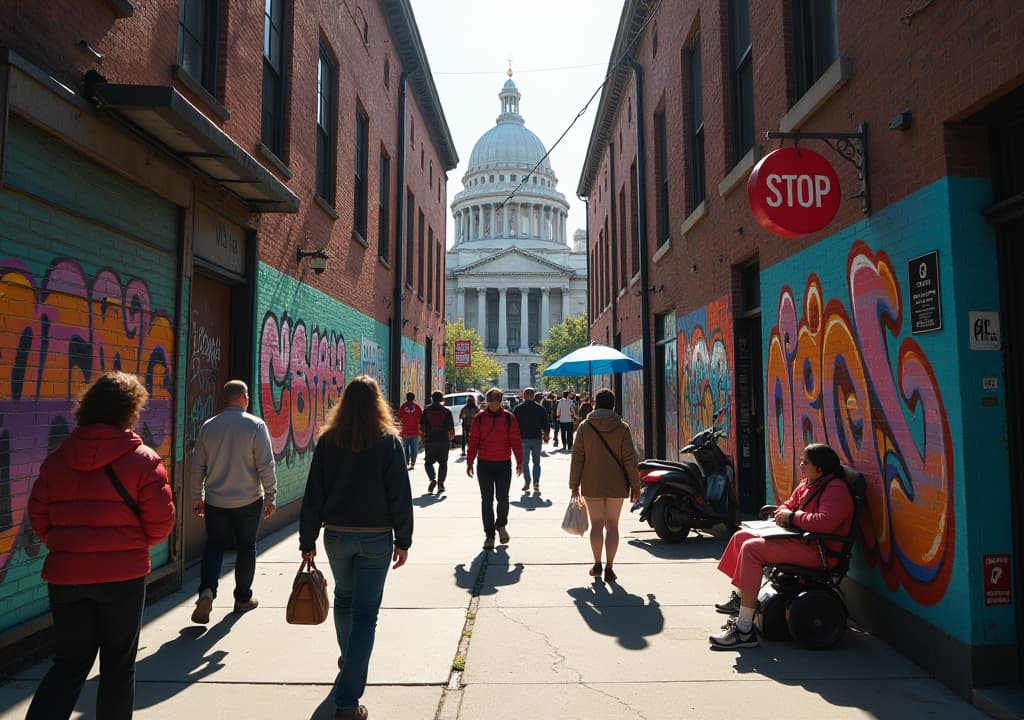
(817, 618)
(773, 617)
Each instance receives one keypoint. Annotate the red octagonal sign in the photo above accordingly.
(793, 192)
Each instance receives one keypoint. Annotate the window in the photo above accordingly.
(513, 375)
(383, 207)
(661, 176)
(609, 235)
(387, 73)
(325, 128)
(410, 225)
(634, 230)
(513, 178)
(695, 128)
(197, 41)
(439, 272)
(360, 181)
(430, 266)
(419, 274)
(272, 130)
(815, 41)
(623, 242)
(741, 65)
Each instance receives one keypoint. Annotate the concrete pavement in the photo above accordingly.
(521, 632)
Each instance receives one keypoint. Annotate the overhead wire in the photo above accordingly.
(625, 54)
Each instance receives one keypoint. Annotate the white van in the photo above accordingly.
(456, 401)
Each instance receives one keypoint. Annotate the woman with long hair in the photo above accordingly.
(817, 505)
(604, 470)
(358, 490)
(101, 501)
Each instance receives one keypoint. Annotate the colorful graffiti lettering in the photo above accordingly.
(705, 374)
(373, 361)
(412, 375)
(57, 337)
(301, 375)
(841, 378)
(203, 365)
(633, 397)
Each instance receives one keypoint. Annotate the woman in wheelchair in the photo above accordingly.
(817, 505)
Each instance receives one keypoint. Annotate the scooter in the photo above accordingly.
(699, 494)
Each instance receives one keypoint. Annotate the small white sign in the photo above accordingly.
(984, 331)
(989, 383)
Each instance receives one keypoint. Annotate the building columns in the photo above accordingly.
(481, 314)
(545, 313)
(460, 304)
(502, 321)
(565, 303)
(524, 316)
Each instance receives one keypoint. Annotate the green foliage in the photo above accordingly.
(571, 335)
(485, 369)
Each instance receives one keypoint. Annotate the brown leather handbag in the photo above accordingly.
(308, 604)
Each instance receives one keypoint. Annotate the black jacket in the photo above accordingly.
(533, 420)
(359, 490)
(435, 423)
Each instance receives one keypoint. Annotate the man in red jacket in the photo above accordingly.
(494, 437)
(410, 413)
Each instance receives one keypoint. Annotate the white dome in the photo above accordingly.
(508, 144)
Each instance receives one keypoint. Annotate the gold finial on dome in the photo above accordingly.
(509, 73)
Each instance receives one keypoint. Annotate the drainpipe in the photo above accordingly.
(615, 232)
(586, 204)
(645, 300)
(397, 300)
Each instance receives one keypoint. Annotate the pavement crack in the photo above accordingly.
(560, 659)
(625, 705)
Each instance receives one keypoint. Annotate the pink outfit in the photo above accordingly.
(830, 513)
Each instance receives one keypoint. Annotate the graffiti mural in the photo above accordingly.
(58, 335)
(302, 373)
(852, 376)
(413, 379)
(633, 396)
(705, 371)
(372, 361)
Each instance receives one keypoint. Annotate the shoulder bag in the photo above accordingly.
(308, 603)
(128, 499)
(625, 475)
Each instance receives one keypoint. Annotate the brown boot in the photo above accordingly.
(204, 606)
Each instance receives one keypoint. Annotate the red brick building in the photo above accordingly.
(198, 190)
(829, 337)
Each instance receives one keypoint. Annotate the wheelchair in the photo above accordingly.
(807, 604)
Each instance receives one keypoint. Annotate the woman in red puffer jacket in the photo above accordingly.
(98, 536)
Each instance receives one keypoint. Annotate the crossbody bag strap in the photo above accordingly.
(129, 501)
(608, 447)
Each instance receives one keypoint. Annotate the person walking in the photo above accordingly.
(551, 405)
(604, 470)
(234, 486)
(495, 438)
(534, 429)
(438, 430)
(466, 415)
(566, 412)
(101, 501)
(358, 490)
(411, 413)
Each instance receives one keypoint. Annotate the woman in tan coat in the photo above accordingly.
(604, 470)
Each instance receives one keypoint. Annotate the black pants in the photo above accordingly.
(103, 617)
(566, 429)
(237, 528)
(436, 451)
(494, 478)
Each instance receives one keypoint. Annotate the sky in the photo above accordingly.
(559, 51)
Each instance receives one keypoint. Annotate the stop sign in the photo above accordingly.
(793, 192)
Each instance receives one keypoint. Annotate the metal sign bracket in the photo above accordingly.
(852, 147)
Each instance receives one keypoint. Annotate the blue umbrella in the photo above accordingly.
(592, 360)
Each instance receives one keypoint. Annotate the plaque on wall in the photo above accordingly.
(925, 303)
(219, 241)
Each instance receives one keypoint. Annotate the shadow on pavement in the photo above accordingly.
(192, 656)
(697, 547)
(426, 500)
(488, 572)
(609, 610)
(530, 502)
(325, 710)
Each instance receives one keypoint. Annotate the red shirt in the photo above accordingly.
(410, 413)
(495, 437)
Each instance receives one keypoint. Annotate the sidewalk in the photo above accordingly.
(538, 638)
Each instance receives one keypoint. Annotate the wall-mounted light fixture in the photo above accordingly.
(317, 259)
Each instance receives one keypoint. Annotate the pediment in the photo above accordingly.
(514, 261)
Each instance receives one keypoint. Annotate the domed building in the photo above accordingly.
(511, 274)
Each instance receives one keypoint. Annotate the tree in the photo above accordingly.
(484, 370)
(571, 335)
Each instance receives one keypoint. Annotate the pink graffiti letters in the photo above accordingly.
(836, 376)
(56, 337)
(301, 377)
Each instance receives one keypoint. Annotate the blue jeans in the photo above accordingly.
(411, 446)
(103, 617)
(231, 527)
(531, 449)
(359, 562)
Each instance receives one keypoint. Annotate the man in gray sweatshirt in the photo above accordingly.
(233, 486)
